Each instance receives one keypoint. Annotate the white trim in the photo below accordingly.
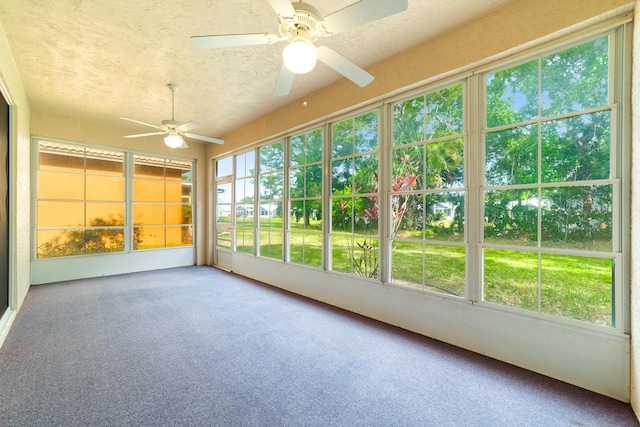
(49, 270)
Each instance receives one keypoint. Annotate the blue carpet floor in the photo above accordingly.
(197, 346)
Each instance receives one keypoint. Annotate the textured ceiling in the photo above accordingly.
(97, 60)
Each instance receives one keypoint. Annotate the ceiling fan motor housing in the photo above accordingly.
(303, 24)
(170, 124)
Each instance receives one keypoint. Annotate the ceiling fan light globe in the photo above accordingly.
(173, 141)
(299, 57)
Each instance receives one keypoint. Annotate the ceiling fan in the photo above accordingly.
(175, 130)
(301, 25)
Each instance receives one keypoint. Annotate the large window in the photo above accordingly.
(305, 198)
(244, 198)
(427, 192)
(162, 191)
(354, 196)
(503, 188)
(550, 184)
(80, 206)
(270, 197)
(224, 203)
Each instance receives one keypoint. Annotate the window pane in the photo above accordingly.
(512, 156)
(511, 217)
(296, 182)
(244, 215)
(271, 186)
(577, 148)
(445, 164)
(444, 269)
(148, 190)
(245, 164)
(56, 156)
(224, 193)
(342, 173)
(366, 132)
(512, 95)
(149, 237)
(343, 138)
(408, 166)
(271, 244)
(177, 169)
(406, 264)
(306, 249)
(244, 190)
(224, 166)
(104, 240)
(511, 278)
(578, 217)
(223, 239)
(409, 121)
(313, 181)
(578, 288)
(576, 79)
(105, 162)
(60, 214)
(445, 216)
(270, 215)
(366, 215)
(55, 243)
(105, 214)
(148, 214)
(178, 214)
(187, 189)
(342, 215)
(148, 167)
(443, 112)
(365, 257)
(179, 236)
(341, 253)
(313, 146)
(365, 179)
(306, 214)
(105, 187)
(224, 214)
(60, 185)
(173, 191)
(356, 255)
(407, 215)
(244, 240)
(297, 150)
(272, 157)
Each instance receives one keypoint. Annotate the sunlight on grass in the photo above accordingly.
(571, 286)
(442, 269)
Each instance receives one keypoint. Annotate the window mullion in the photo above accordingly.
(473, 108)
(327, 137)
(385, 135)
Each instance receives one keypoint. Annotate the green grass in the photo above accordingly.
(569, 286)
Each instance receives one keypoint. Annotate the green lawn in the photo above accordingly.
(569, 286)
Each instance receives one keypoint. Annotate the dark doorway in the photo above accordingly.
(4, 206)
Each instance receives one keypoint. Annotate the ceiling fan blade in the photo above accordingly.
(285, 81)
(186, 127)
(362, 12)
(144, 134)
(141, 123)
(184, 144)
(345, 67)
(204, 138)
(230, 40)
(283, 8)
